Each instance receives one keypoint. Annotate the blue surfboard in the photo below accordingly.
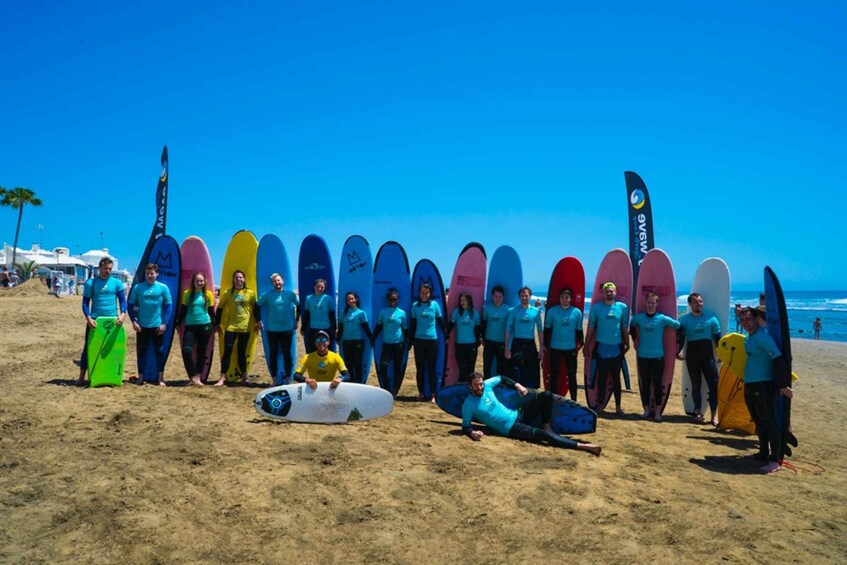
(391, 270)
(355, 274)
(165, 253)
(777, 317)
(315, 263)
(271, 258)
(568, 416)
(426, 272)
(504, 270)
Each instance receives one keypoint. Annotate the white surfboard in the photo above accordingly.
(348, 402)
(712, 282)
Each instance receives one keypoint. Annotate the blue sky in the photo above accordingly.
(435, 125)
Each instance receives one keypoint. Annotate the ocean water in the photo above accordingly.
(803, 307)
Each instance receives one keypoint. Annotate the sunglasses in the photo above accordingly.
(321, 339)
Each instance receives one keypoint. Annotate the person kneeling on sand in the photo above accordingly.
(321, 364)
(483, 405)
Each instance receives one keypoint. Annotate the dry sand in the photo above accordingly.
(187, 475)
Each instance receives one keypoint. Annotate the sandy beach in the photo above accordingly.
(188, 475)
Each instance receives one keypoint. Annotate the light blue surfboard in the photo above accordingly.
(315, 263)
(426, 272)
(271, 258)
(504, 270)
(355, 274)
(391, 270)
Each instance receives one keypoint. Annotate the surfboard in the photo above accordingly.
(469, 275)
(568, 273)
(165, 253)
(271, 258)
(616, 267)
(426, 272)
(349, 402)
(241, 256)
(777, 318)
(504, 270)
(656, 275)
(568, 417)
(196, 259)
(391, 270)
(355, 274)
(315, 263)
(732, 408)
(106, 351)
(712, 282)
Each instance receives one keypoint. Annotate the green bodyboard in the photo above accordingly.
(106, 353)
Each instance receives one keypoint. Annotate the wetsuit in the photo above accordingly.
(197, 310)
(283, 309)
(99, 297)
(563, 335)
(649, 331)
(467, 340)
(353, 328)
(609, 322)
(765, 372)
(234, 310)
(522, 325)
(424, 319)
(318, 314)
(321, 367)
(493, 328)
(393, 324)
(702, 333)
(154, 307)
(488, 409)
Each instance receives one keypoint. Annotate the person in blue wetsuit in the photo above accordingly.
(483, 405)
(318, 315)
(563, 338)
(467, 323)
(702, 332)
(353, 328)
(196, 313)
(493, 329)
(648, 332)
(393, 324)
(283, 311)
(522, 325)
(608, 322)
(150, 308)
(764, 372)
(426, 315)
(102, 296)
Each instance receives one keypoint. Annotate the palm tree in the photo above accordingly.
(17, 198)
(26, 269)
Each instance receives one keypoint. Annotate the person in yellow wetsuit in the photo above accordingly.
(321, 365)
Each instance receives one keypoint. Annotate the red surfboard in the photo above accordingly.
(656, 275)
(616, 267)
(568, 273)
(469, 276)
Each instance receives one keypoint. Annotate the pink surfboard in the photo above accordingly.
(196, 258)
(656, 275)
(469, 275)
(616, 267)
(568, 273)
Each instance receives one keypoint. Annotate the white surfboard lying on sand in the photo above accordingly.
(348, 402)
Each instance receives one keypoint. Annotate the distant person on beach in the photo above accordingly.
(236, 308)
(196, 312)
(563, 339)
(466, 320)
(764, 371)
(493, 329)
(150, 307)
(318, 315)
(425, 317)
(738, 327)
(71, 286)
(763, 322)
(817, 326)
(701, 332)
(608, 325)
(483, 405)
(102, 296)
(321, 365)
(5, 280)
(522, 326)
(648, 332)
(393, 323)
(353, 330)
(283, 309)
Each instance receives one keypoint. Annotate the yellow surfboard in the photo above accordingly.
(240, 256)
(732, 354)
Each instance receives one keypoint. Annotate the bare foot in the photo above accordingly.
(592, 449)
(80, 381)
(195, 381)
(220, 382)
(162, 383)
